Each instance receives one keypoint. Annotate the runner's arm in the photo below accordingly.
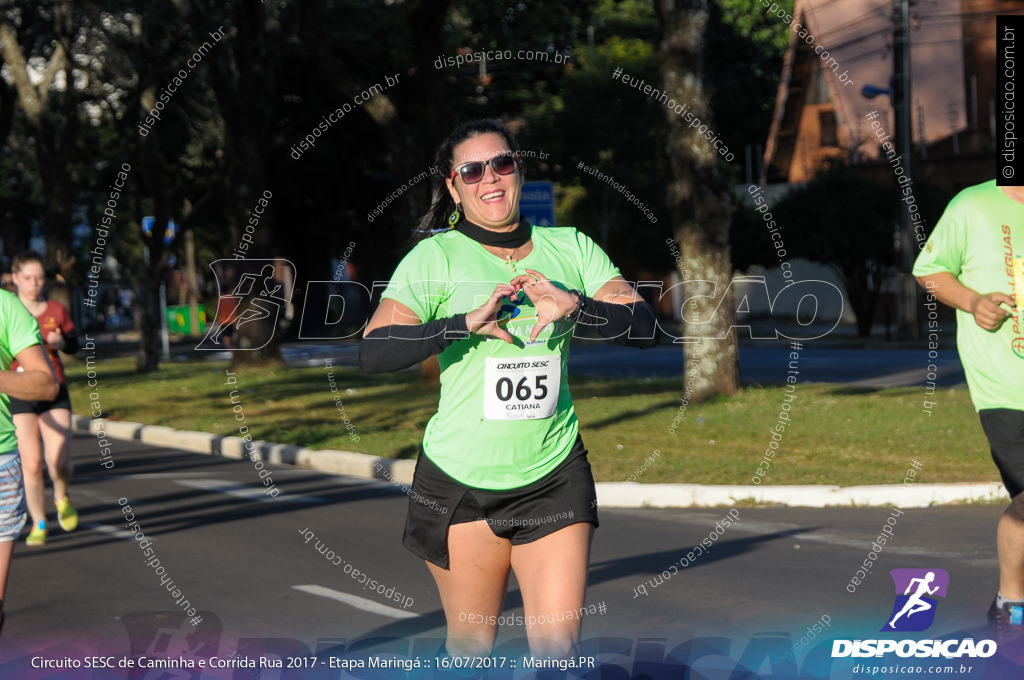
(395, 338)
(983, 307)
(391, 312)
(35, 382)
(65, 342)
(71, 344)
(618, 313)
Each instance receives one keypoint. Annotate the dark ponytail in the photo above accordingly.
(441, 203)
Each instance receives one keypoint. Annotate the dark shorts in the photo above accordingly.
(62, 400)
(1004, 428)
(565, 496)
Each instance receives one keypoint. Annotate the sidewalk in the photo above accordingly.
(609, 494)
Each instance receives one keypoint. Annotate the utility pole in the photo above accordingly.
(906, 286)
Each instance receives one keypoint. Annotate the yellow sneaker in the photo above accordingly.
(66, 515)
(38, 535)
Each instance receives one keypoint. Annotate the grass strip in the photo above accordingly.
(837, 434)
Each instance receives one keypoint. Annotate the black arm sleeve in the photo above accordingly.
(391, 348)
(633, 325)
(70, 343)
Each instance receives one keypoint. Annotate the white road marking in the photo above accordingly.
(103, 498)
(245, 492)
(174, 475)
(358, 602)
(838, 538)
(111, 531)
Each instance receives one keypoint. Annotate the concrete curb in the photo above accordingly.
(622, 495)
(609, 494)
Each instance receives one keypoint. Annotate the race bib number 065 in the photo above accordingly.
(521, 389)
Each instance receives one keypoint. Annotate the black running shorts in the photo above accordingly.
(1004, 428)
(565, 496)
(62, 400)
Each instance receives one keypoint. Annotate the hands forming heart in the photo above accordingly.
(552, 303)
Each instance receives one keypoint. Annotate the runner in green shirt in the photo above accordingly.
(488, 393)
(19, 339)
(967, 263)
(503, 480)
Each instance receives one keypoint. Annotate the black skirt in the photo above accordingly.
(563, 497)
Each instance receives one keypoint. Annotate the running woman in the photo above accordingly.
(502, 482)
(19, 339)
(49, 419)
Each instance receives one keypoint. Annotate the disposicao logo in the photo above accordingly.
(914, 611)
(916, 589)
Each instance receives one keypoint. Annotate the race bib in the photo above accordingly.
(522, 389)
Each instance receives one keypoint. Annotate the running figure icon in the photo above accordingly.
(915, 604)
(259, 291)
(251, 308)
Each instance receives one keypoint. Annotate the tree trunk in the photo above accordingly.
(253, 336)
(54, 158)
(148, 358)
(700, 205)
(244, 91)
(53, 132)
(153, 271)
(426, 20)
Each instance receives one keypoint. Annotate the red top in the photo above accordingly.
(54, 317)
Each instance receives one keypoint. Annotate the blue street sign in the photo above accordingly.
(537, 203)
(169, 234)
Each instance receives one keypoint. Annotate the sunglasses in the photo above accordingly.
(473, 172)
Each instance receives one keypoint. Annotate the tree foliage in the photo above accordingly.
(846, 220)
(92, 72)
(743, 62)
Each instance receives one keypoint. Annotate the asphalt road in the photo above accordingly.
(241, 559)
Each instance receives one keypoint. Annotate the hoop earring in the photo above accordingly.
(456, 215)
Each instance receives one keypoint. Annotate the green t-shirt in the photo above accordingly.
(505, 417)
(975, 240)
(19, 330)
